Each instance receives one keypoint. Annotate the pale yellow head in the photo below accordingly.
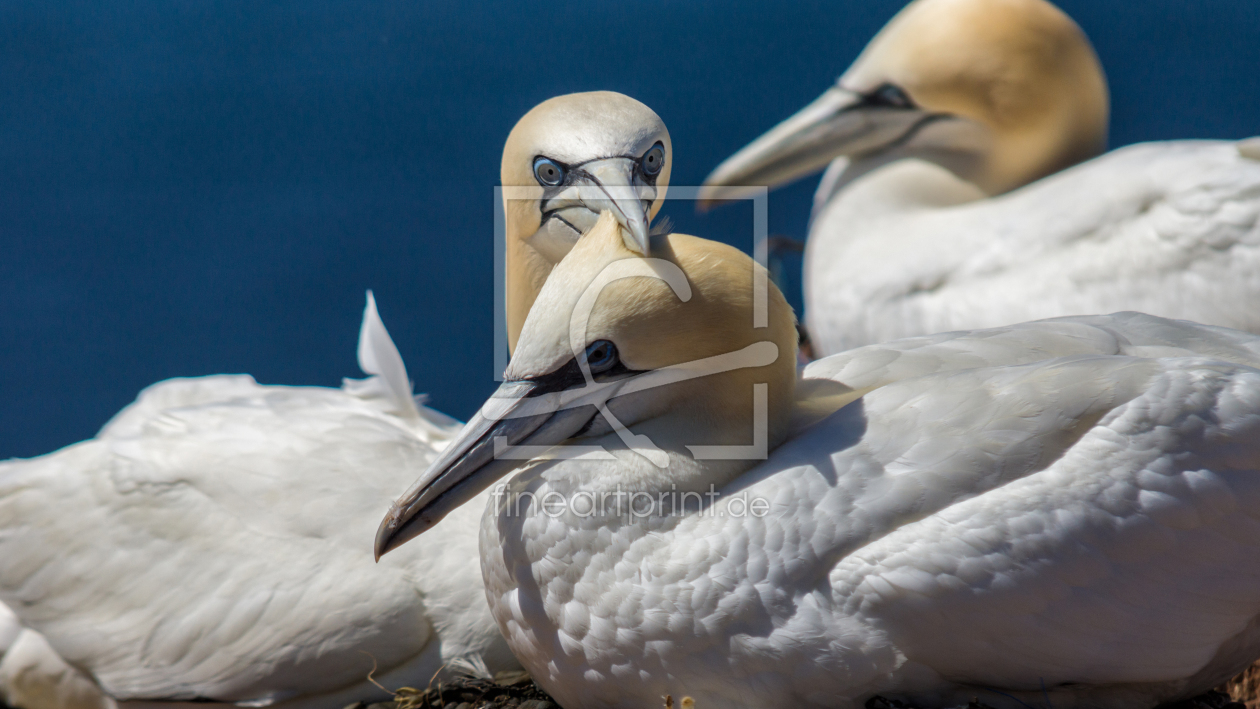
(1021, 68)
(567, 160)
(1002, 92)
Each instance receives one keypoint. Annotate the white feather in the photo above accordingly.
(379, 357)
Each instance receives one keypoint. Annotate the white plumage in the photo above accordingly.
(33, 675)
(949, 202)
(1062, 513)
(1171, 229)
(214, 542)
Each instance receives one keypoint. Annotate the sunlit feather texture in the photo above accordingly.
(1171, 229)
(214, 541)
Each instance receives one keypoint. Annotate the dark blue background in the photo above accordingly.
(196, 187)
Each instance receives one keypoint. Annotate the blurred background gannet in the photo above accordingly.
(262, 614)
(1059, 513)
(950, 201)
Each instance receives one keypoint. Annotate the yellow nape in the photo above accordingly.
(1021, 68)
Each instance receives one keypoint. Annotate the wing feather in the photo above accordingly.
(991, 521)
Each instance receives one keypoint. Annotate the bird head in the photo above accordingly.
(1002, 92)
(676, 342)
(582, 154)
(566, 161)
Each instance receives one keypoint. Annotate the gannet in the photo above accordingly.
(209, 544)
(259, 612)
(1060, 513)
(950, 203)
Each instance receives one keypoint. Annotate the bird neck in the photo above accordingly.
(871, 208)
(525, 268)
(525, 272)
(868, 188)
(1023, 154)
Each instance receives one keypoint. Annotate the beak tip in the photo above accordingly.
(386, 535)
(381, 547)
(396, 531)
(637, 237)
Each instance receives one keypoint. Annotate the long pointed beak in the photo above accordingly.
(518, 413)
(838, 123)
(533, 416)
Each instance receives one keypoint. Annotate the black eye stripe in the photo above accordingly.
(570, 375)
(570, 173)
(567, 377)
(569, 169)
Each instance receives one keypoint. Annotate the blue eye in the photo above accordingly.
(889, 95)
(653, 160)
(601, 356)
(548, 172)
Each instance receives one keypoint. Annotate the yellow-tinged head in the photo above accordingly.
(1021, 68)
(567, 160)
(1002, 92)
(653, 324)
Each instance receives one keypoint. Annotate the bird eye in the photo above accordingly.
(653, 160)
(548, 172)
(601, 356)
(889, 95)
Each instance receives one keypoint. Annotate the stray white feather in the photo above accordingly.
(379, 357)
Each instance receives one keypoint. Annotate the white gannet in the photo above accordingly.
(1063, 513)
(209, 544)
(260, 613)
(950, 203)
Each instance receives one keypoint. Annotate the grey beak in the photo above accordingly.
(514, 415)
(837, 123)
